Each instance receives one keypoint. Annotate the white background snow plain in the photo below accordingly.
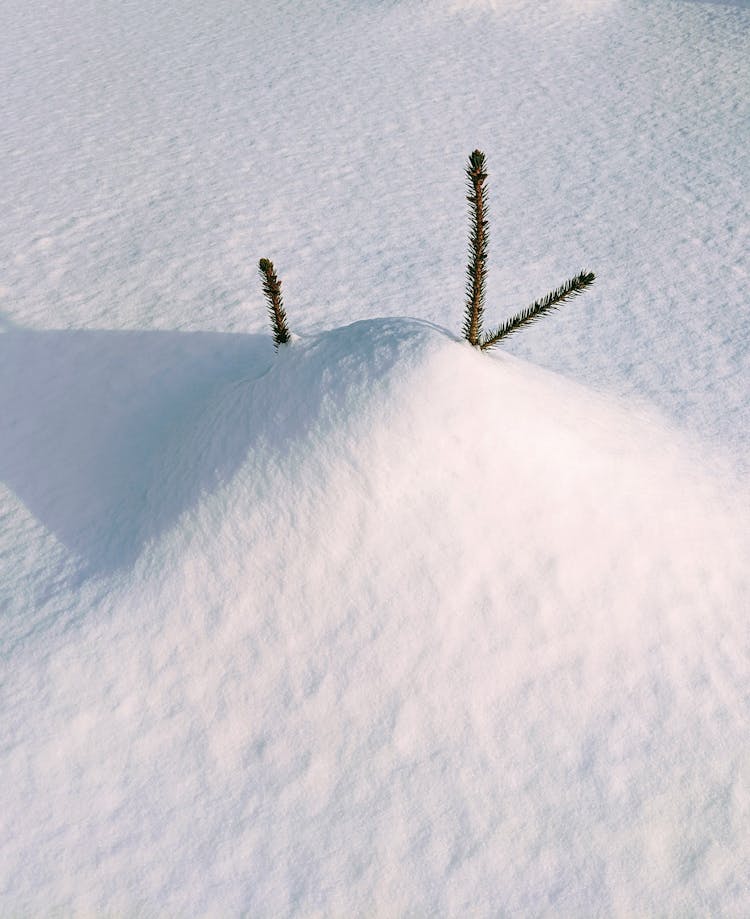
(379, 625)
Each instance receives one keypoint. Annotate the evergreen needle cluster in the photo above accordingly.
(276, 311)
(476, 273)
(538, 308)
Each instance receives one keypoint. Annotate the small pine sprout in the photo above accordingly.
(476, 273)
(276, 311)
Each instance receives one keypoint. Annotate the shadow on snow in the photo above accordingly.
(86, 419)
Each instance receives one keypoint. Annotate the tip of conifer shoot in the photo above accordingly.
(477, 164)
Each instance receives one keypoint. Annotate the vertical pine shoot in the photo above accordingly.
(476, 273)
(276, 312)
(538, 308)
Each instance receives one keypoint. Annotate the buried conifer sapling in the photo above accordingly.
(276, 311)
(476, 272)
(476, 277)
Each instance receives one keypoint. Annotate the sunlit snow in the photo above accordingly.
(378, 624)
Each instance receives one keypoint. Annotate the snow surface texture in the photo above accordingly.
(378, 625)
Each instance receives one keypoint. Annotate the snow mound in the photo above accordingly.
(419, 631)
(394, 425)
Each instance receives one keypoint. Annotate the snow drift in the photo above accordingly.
(410, 630)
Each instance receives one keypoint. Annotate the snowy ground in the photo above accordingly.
(379, 625)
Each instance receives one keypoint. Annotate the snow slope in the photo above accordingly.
(445, 634)
(377, 625)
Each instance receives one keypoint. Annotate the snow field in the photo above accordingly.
(378, 625)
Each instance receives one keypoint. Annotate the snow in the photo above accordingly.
(377, 625)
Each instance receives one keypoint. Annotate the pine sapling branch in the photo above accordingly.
(538, 308)
(476, 272)
(276, 311)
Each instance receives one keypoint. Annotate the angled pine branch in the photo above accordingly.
(276, 311)
(538, 308)
(476, 272)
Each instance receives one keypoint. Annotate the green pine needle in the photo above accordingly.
(550, 302)
(476, 272)
(276, 311)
